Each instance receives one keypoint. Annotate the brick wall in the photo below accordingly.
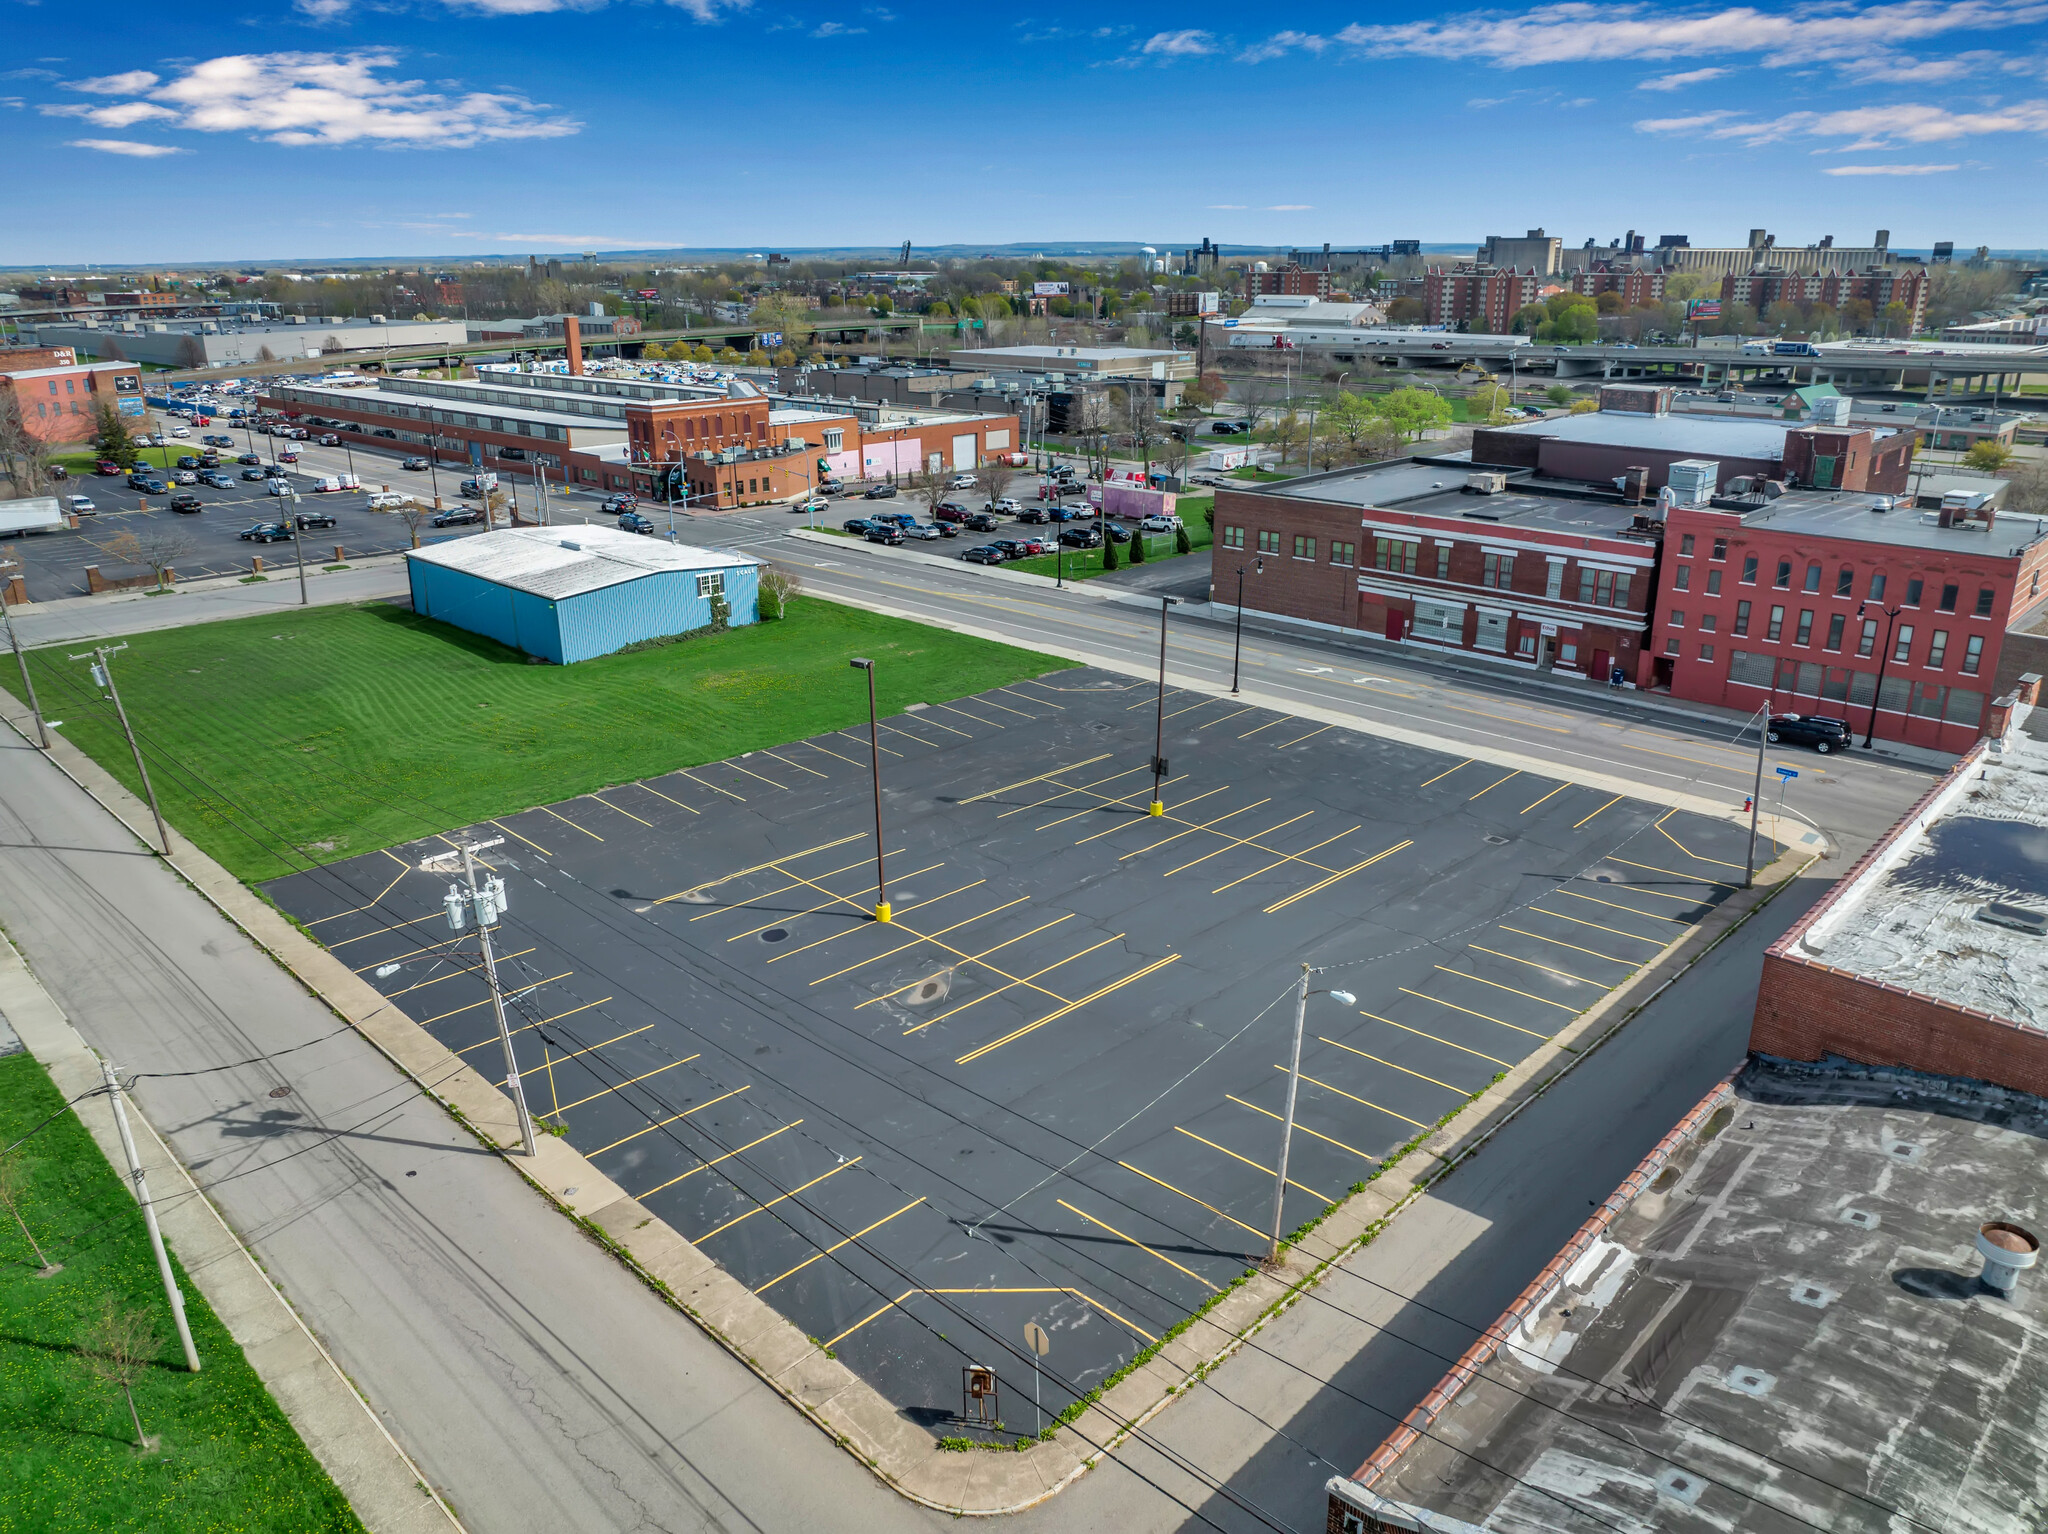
(1278, 582)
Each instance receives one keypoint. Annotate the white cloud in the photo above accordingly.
(125, 115)
(837, 29)
(301, 99)
(125, 146)
(1226, 207)
(702, 10)
(1290, 207)
(1187, 44)
(1888, 170)
(1577, 31)
(1281, 43)
(1870, 127)
(1677, 81)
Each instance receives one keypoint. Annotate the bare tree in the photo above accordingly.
(118, 1346)
(192, 352)
(109, 349)
(330, 344)
(995, 476)
(2028, 495)
(779, 586)
(414, 516)
(22, 454)
(932, 483)
(265, 354)
(160, 548)
(14, 1180)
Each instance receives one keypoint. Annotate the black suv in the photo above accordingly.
(187, 504)
(266, 532)
(1816, 730)
(307, 519)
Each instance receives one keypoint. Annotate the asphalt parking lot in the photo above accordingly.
(54, 563)
(1049, 1089)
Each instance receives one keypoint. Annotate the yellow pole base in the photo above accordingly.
(1158, 808)
(882, 911)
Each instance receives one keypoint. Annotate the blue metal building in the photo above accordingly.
(573, 593)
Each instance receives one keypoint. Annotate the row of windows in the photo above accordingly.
(1840, 684)
(1402, 556)
(1845, 583)
(1866, 638)
(45, 409)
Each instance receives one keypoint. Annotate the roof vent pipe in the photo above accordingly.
(2008, 1252)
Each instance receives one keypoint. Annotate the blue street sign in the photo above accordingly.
(1788, 773)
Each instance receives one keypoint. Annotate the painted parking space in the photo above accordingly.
(1049, 1088)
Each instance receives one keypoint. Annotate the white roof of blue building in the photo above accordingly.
(557, 562)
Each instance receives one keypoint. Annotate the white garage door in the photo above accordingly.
(963, 451)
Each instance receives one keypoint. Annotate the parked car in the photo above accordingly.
(1118, 533)
(187, 503)
(457, 516)
(928, 531)
(1034, 514)
(878, 492)
(1069, 513)
(987, 554)
(79, 505)
(218, 439)
(209, 460)
(147, 485)
(254, 474)
(1004, 507)
(1160, 522)
(1080, 538)
(184, 477)
(287, 457)
(311, 519)
(633, 522)
(266, 532)
(885, 533)
(810, 508)
(947, 511)
(1820, 731)
(1009, 548)
(328, 439)
(414, 463)
(188, 462)
(281, 487)
(962, 482)
(215, 478)
(389, 502)
(858, 526)
(108, 466)
(980, 522)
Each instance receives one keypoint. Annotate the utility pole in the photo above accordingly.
(861, 663)
(1301, 996)
(1763, 735)
(298, 548)
(1159, 723)
(487, 901)
(28, 685)
(103, 674)
(156, 1236)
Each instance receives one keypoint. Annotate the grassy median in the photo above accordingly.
(1085, 564)
(324, 732)
(226, 1457)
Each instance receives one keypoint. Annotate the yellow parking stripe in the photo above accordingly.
(792, 1193)
(915, 937)
(565, 820)
(1446, 772)
(1466, 974)
(1073, 1006)
(1470, 1013)
(676, 802)
(1674, 873)
(1317, 889)
(1562, 974)
(799, 766)
(835, 1246)
(1234, 1156)
(1010, 788)
(1204, 826)
(594, 1096)
(1021, 980)
(972, 958)
(1420, 1034)
(716, 789)
(1368, 1102)
(774, 863)
(586, 1049)
(1311, 735)
(1548, 797)
(600, 798)
(1560, 916)
(1301, 1128)
(1496, 783)
(1285, 857)
(1170, 1188)
(707, 1165)
(1461, 1091)
(636, 1134)
(1125, 824)
(1596, 814)
(1631, 910)
(1141, 1246)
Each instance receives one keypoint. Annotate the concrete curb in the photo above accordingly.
(381, 1482)
(314, 571)
(824, 1390)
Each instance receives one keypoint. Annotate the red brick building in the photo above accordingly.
(1483, 298)
(1292, 280)
(1878, 286)
(1429, 554)
(58, 403)
(1635, 288)
(1819, 601)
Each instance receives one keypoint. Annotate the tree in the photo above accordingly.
(192, 352)
(1584, 406)
(118, 1346)
(1489, 402)
(1109, 555)
(23, 456)
(1858, 316)
(110, 435)
(109, 349)
(1288, 431)
(932, 482)
(1411, 412)
(2026, 492)
(1137, 546)
(1204, 392)
(160, 548)
(779, 586)
(14, 1182)
(265, 354)
(995, 477)
(414, 516)
(1527, 319)
(1559, 394)
(1404, 311)
(1988, 454)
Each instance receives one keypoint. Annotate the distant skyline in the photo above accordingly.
(437, 128)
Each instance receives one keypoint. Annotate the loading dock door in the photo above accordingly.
(963, 451)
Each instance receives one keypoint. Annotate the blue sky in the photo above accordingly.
(154, 133)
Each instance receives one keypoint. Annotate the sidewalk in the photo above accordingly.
(384, 1487)
(843, 1405)
(71, 619)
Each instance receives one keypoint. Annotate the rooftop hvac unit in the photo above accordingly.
(1692, 481)
(378, 319)
(1831, 412)
(1486, 482)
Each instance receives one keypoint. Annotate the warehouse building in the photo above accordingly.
(195, 343)
(568, 595)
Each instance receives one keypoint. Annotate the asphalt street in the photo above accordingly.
(1049, 1088)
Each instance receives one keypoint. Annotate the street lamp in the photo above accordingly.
(861, 663)
(1891, 615)
(1237, 644)
(1159, 725)
(1301, 996)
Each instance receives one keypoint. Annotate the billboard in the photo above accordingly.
(649, 294)
(769, 338)
(1049, 290)
(130, 406)
(1706, 309)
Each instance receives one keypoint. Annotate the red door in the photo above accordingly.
(1397, 623)
(1601, 664)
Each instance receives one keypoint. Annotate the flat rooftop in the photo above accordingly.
(421, 406)
(556, 562)
(1783, 1330)
(1438, 489)
(1053, 356)
(1848, 514)
(1915, 918)
(1697, 436)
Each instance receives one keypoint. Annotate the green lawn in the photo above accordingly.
(1085, 564)
(1257, 475)
(228, 1458)
(336, 730)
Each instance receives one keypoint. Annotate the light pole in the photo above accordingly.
(1159, 723)
(112, 1084)
(861, 663)
(487, 903)
(1237, 642)
(298, 548)
(1763, 735)
(1301, 996)
(103, 674)
(1891, 615)
(28, 686)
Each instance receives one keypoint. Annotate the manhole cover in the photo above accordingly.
(280, 1091)
(1498, 841)
(775, 934)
